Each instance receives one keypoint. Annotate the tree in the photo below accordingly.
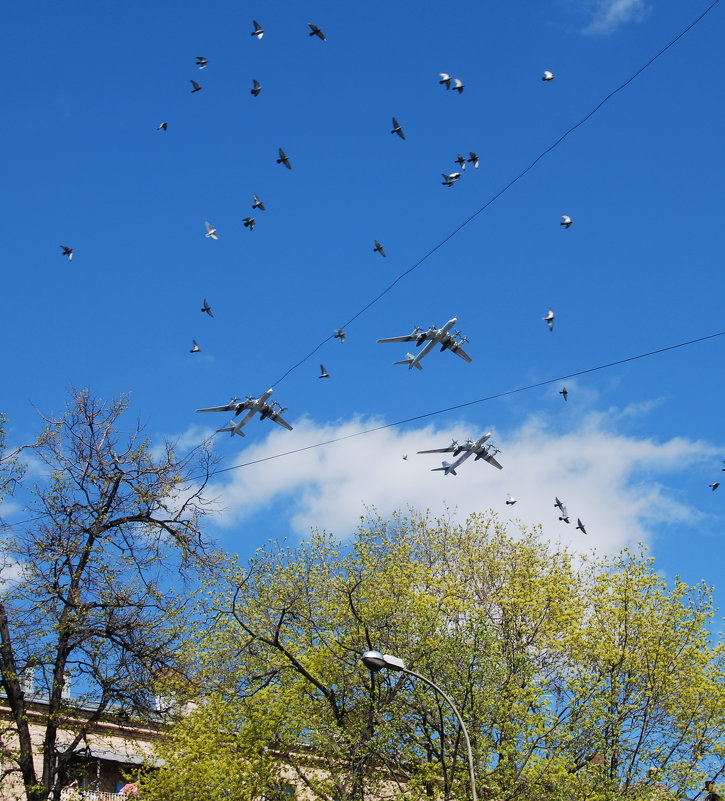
(91, 589)
(578, 678)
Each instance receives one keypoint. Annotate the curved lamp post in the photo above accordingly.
(375, 662)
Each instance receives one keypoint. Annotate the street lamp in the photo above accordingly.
(376, 661)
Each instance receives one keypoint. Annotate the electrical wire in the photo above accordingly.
(501, 191)
(465, 404)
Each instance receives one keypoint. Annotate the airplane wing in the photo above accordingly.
(449, 449)
(462, 353)
(230, 407)
(493, 462)
(408, 338)
(277, 419)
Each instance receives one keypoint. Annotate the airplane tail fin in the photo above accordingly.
(409, 359)
(446, 467)
(232, 429)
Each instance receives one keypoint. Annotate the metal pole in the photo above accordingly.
(460, 721)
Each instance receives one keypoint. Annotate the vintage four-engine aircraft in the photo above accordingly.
(433, 336)
(466, 449)
(251, 406)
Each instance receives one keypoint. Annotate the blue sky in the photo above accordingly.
(632, 451)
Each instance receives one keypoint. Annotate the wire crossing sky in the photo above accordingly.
(108, 152)
(503, 190)
(466, 404)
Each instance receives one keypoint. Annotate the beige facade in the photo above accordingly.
(107, 758)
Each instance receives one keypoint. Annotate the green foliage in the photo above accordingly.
(92, 580)
(586, 679)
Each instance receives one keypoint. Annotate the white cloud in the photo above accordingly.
(610, 14)
(609, 479)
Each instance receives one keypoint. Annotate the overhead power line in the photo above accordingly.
(503, 190)
(465, 404)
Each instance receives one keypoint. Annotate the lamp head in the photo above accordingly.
(375, 661)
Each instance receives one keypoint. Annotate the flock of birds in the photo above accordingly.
(452, 83)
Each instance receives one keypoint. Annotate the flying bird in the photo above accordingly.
(580, 526)
(67, 251)
(397, 129)
(714, 486)
(405, 457)
(340, 334)
(249, 222)
(323, 372)
(257, 203)
(445, 79)
(450, 179)
(558, 504)
(510, 500)
(564, 392)
(379, 249)
(458, 85)
(549, 319)
(566, 221)
(163, 127)
(258, 29)
(283, 159)
(210, 231)
(315, 31)
(207, 308)
(460, 161)
(201, 62)
(256, 87)
(473, 159)
(196, 87)
(547, 76)
(195, 348)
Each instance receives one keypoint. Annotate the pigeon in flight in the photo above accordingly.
(547, 76)
(510, 500)
(460, 161)
(201, 62)
(195, 348)
(564, 514)
(256, 87)
(566, 221)
(210, 231)
(445, 79)
(450, 179)
(283, 159)
(458, 85)
(315, 31)
(207, 308)
(549, 319)
(67, 251)
(258, 29)
(564, 392)
(379, 249)
(163, 127)
(249, 222)
(340, 334)
(257, 204)
(405, 457)
(196, 87)
(473, 159)
(580, 526)
(323, 372)
(397, 129)
(714, 486)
